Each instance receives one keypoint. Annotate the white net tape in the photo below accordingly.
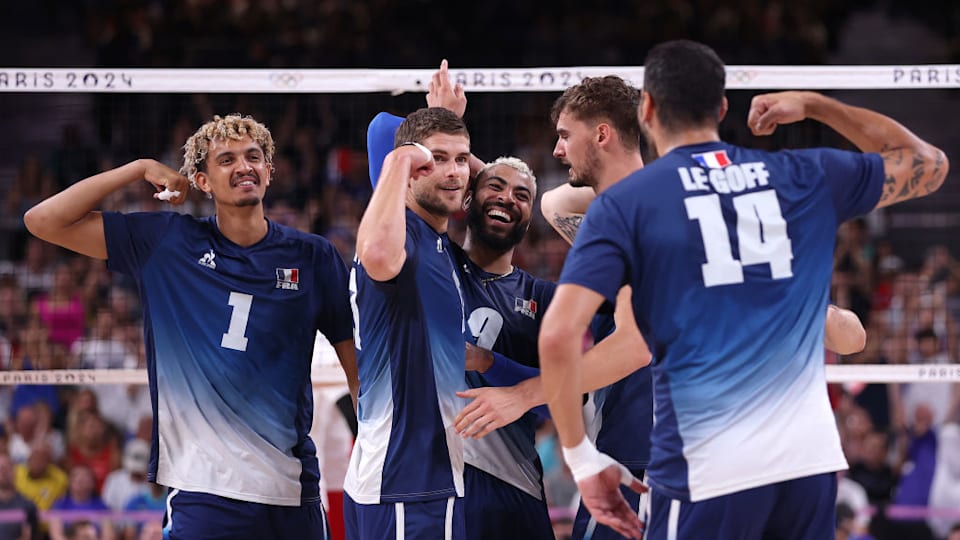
(332, 376)
(398, 81)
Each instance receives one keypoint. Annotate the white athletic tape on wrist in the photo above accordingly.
(166, 194)
(585, 461)
(426, 151)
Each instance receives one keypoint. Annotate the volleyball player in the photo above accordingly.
(503, 476)
(232, 304)
(405, 477)
(729, 253)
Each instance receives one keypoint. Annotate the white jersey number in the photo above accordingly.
(761, 234)
(485, 325)
(235, 338)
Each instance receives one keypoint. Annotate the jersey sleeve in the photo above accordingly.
(335, 320)
(599, 259)
(132, 238)
(380, 133)
(854, 179)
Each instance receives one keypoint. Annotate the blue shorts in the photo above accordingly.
(799, 509)
(439, 519)
(202, 516)
(496, 509)
(587, 528)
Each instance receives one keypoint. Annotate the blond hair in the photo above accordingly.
(233, 126)
(514, 163)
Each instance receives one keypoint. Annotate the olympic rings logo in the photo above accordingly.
(286, 80)
(742, 76)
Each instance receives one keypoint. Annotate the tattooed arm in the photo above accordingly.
(564, 206)
(913, 167)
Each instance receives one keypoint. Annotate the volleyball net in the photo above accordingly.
(895, 268)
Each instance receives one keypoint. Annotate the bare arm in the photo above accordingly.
(913, 167)
(613, 358)
(564, 206)
(844, 333)
(69, 219)
(381, 237)
(347, 354)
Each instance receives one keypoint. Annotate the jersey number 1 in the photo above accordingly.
(761, 234)
(235, 338)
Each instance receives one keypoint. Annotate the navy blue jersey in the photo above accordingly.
(229, 334)
(619, 417)
(729, 252)
(505, 315)
(409, 335)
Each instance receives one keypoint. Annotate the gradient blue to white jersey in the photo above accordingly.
(730, 268)
(229, 339)
(618, 418)
(409, 335)
(505, 315)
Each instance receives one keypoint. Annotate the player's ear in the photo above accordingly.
(604, 133)
(202, 181)
(723, 109)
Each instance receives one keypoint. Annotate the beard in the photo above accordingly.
(430, 201)
(476, 223)
(586, 176)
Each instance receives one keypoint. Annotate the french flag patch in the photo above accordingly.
(288, 278)
(526, 307)
(713, 160)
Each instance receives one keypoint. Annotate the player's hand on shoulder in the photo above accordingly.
(442, 93)
(767, 111)
(170, 183)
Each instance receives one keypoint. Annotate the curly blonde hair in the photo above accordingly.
(233, 126)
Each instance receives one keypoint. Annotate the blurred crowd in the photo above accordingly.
(86, 448)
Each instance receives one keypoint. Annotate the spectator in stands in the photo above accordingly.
(125, 483)
(873, 472)
(35, 273)
(943, 398)
(918, 456)
(82, 530)
(32, 426)
(153, 497)
(39, 479)
(81, 495)
(63, 309)
(94, 445)
(10, 499)
(945, 491)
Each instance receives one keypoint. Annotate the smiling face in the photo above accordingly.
(577, 148)
(500, 208)
(236, 172)
(441, 192)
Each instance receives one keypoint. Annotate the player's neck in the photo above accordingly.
(436, 222)
(617, 168)
(242, 226)
(489, 259)
(668, 141)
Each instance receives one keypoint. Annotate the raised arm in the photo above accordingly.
(564, 207)
(69, 218)
(844, 333)
(382, 235)
(913, 167)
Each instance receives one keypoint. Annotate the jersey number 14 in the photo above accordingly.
(761, 236)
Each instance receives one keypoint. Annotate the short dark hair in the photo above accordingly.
(609, 99)
(925, 333)
(423, 123)
(686, 80)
